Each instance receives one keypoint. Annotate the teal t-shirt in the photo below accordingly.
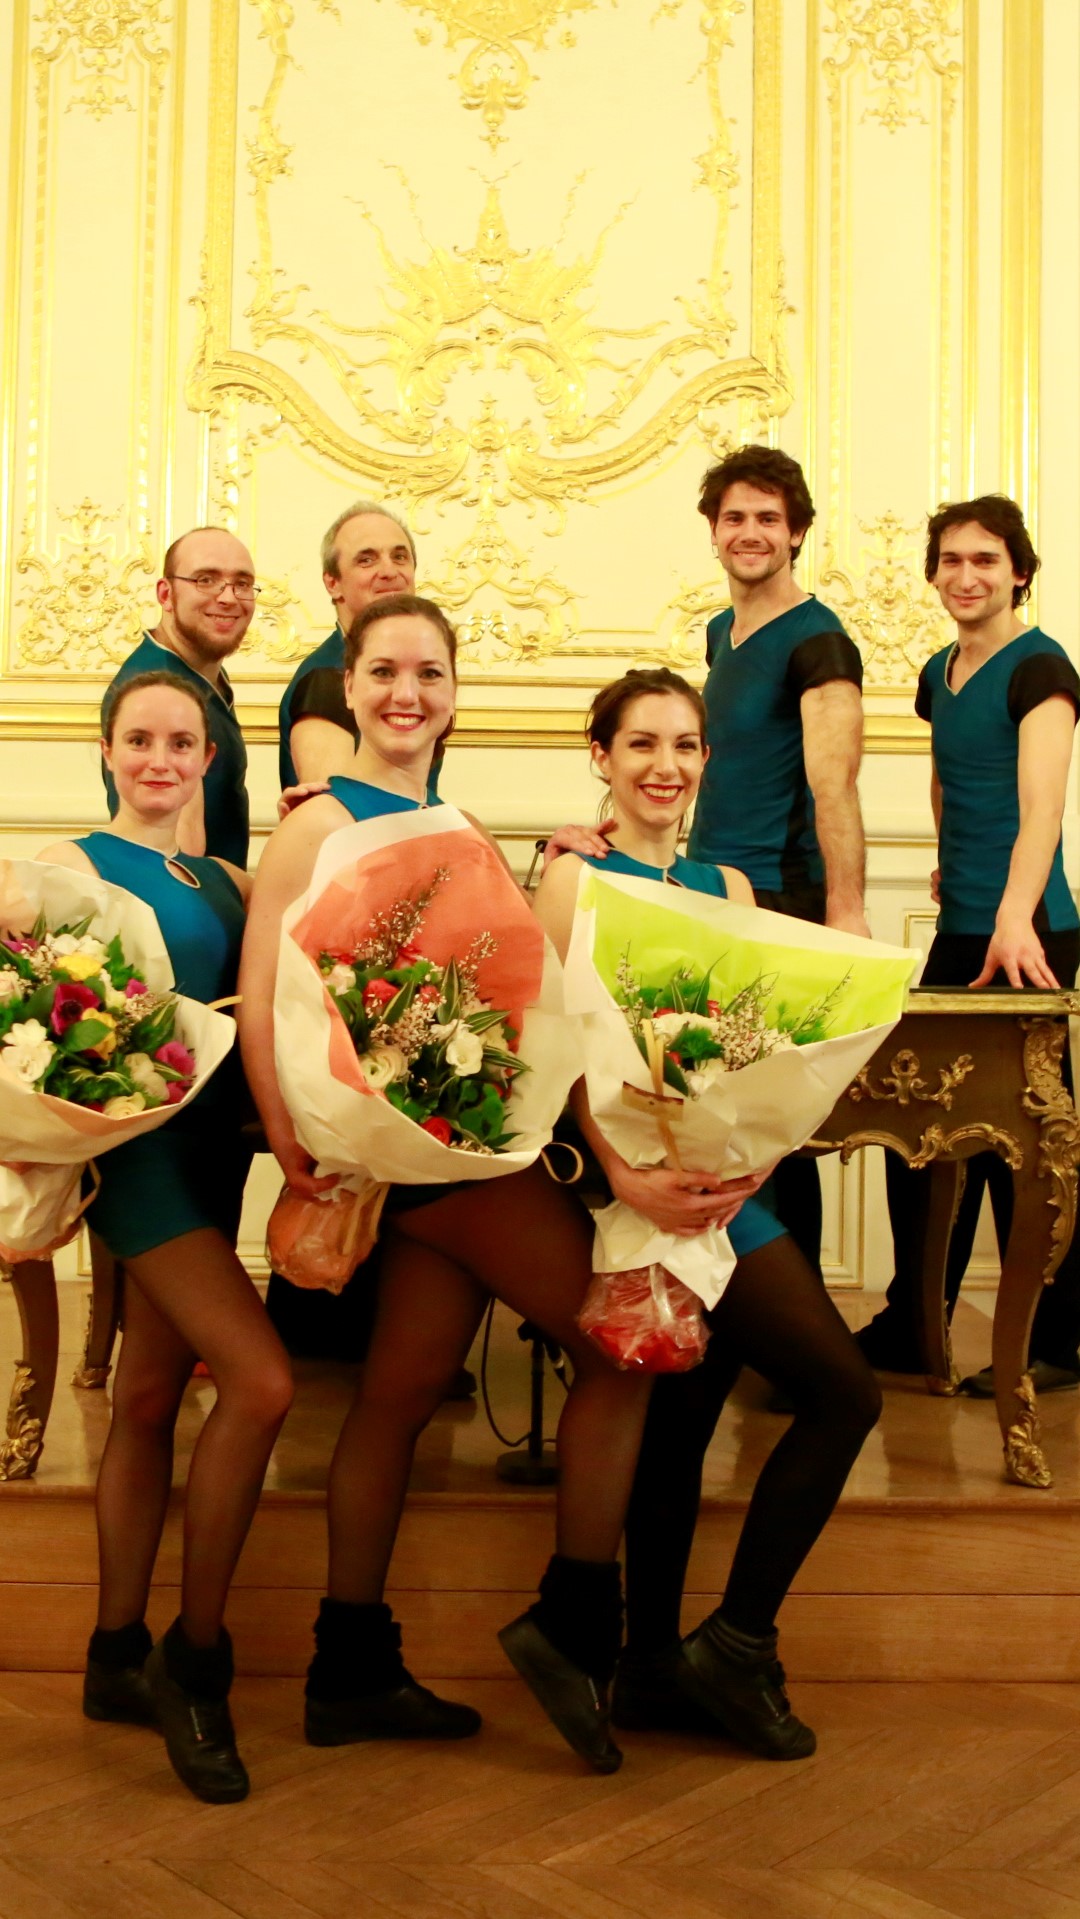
(975, 735)
(225, 800)
(755, 810)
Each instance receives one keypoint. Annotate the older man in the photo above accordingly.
(207, 594)
(367, 553)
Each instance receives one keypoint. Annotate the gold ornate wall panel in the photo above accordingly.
(524, 269)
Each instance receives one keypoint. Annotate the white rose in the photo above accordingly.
(26, 1052)
(146, 1077)
(124, 1106)
(383, 1065)
(64, 943)
(341, 979)
(12, 986)
(706, 1075)
(465, 1051)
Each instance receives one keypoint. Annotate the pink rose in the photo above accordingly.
(177, 1057)
(378, 992)
(428, 994)
(174, 1092)
(408, 954)
(19, 946)
(438, 1128)
(134, 987)
(70, 1002)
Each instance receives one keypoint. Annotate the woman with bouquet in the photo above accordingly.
(169, 1208)
(447, 1248)
(647, 734)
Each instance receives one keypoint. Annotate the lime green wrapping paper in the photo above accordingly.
(748, 1119)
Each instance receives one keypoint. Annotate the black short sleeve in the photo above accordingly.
(1038, 678)
(924, 699)
(321, 696)
(821, 658)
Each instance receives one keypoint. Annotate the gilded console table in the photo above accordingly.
(967, 1073)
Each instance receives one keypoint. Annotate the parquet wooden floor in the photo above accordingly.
(923, 1801)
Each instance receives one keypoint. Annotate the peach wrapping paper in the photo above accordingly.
(364, 869)
(38, 1207)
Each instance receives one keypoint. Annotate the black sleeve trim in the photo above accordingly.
(824, 657)
(1038, 678)
(924, 698)
(321, 696)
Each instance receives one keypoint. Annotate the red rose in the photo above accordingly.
(174, 1092)
(177, 1057)
(378, 992)
(70, 1003)
(438, 1128)
(428, 995)
(714, 1008)
(408, 954)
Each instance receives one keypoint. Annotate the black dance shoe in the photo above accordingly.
(123, 1697)
(408, 1711)
(739, 1680)
(888, 1343)
(646, 1696)
(199, 1737)
(1045, 1378)
(572, 1700)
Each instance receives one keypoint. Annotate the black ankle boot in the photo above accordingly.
(646, 1695)
(738, 1679)
(190, 1688)
(565, 1649)
(114, 1687)
(358, 1686)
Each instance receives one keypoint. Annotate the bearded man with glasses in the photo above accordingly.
(207, 593)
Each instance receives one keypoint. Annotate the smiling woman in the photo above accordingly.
(169, 1207)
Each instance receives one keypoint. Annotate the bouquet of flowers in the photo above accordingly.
(93, 1046)
(418, 1017)
(716, 1037)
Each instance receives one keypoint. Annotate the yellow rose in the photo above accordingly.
(106, 1045)
(78, 966)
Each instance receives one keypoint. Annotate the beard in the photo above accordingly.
(209, 646)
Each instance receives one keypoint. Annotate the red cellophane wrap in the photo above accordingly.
(320, 1242)
(645, 1320)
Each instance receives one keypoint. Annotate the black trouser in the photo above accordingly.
(794, 1192)
(954, 960)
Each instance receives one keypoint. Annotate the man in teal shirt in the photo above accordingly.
(367, 554)
(1002, 703)
(207, 594)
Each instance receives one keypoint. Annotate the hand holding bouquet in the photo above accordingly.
(419, 1033)
(759, 1022)
(94, 1047)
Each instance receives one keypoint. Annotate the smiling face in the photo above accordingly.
(209, 620)
(159, 751)
(374, 560)
(753, 539)
(975, 576)
(655, 761)
(402, 689)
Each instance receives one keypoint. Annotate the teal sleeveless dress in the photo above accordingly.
(191, 1172)
(754, 1224)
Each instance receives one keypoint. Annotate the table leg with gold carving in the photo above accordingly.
(946, 1184)
(1043, 1220)
(34, 1286)
(105, 1284)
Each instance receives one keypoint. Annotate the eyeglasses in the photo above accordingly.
(212, 585)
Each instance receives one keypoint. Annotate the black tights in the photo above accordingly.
(776, 1317)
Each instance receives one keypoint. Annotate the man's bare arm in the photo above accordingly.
(832, 723)
(1042, 773)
